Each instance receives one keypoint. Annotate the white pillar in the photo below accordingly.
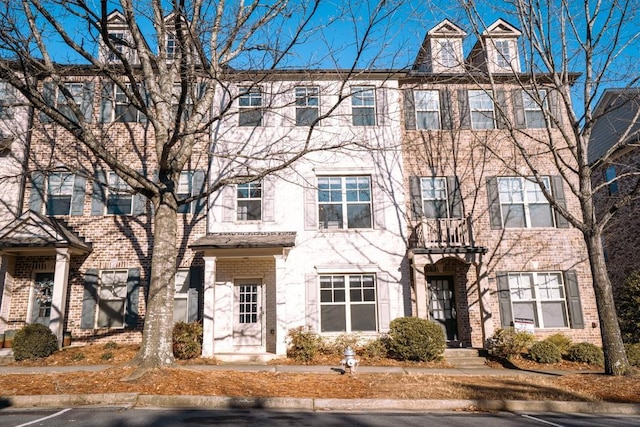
(209, 306)
(59, 295)
(488, 328)
(281, 302)
(7, 268)
(420, 281)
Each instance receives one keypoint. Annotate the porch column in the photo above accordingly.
(209, 305)
(281, 301)
(482, 276)
(420, 281)
(59, 293)
(7, 268)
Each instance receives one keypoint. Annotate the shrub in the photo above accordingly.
(627, 303)
(545, 352)
(78, 357)
(507, 343)
(106, 356)
(110, 346)
(303, 344)
(585, 352)
(187, 340)
(375, 349)
(34, 341)
(412, 338)
(561, 341)
(633, 354)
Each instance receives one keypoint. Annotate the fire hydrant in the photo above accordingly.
(349, 361)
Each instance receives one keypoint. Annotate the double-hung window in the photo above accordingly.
(533, 109)
(307, 105)
(76, 94)
(184, 191)
(447, 53)
(427, 109)
(120, 197)
(112, 297)
(523, 204)
(610, 177)
(171, 46)
(250, 107)
(249, 199)
(59, 193)
(125, 111)
(117, 40)
(363, 105)
(481, 108)
(348, 303)
(344, 202)
(181, 296)
(434, 197)
(6, 100)
(539, 297)
(503, 53)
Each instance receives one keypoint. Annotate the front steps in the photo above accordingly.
(246, 358)
(465, 357)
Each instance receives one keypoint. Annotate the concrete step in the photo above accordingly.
(250, 358)
(465, 357)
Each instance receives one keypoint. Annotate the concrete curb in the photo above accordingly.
(316, 404)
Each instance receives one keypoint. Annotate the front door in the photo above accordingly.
(442, 305)
(41, 301)
(247, 324)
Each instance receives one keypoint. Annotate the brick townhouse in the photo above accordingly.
(408, 213)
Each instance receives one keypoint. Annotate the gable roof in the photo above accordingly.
(501, 28)
(446, 28)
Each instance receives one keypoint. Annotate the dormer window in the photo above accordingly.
(447, 53)
(171, 46)
(503, 53)
(117, 40)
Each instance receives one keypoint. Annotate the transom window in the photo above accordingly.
(523, 204)
(363, 105)
(250, 106)
(481, 108)
(249, 198)
(344, 202)
(120, 198)
(503, 53)
(447, 53)
(59, 193)
(307, 105)
(533, 110)
(434, 197)
(348, 303)
(112, 296)
(427, 109)
(181, 296)
(539, 297)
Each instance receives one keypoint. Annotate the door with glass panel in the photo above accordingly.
(247, 314)
(442, 305)
(41, 300)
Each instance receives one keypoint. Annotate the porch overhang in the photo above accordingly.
(245, 244)
(467, 254)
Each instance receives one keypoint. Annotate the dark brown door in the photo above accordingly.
(442, 305)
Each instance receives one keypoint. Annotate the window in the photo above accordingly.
(447, 54)
(117, 40)
(344, 202)
(171, 46)
(184, 191)
(533, 111)
(610, 176)
(523, 204)
(481, 107)
(125, 111)
(6, 100)
(181, 297)
(307, 102)
(112, 296)
(503, 53)
(348, 303)
(250, 107)
(539, 297)
(427, 109)
(249, 199)
(120, 198)
(434, 197)
(59, 193)
(76, 92)
(363, 106)
(42, 297)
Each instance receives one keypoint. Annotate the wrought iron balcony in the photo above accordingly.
(444, 233)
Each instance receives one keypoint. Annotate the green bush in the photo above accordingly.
(375, 349)
(412, 338)
(110, 345)
(633, 354)
(627, 302)
(585, 352)
(187, 340)
(507, 343)
(545, 352)
(561, 341)
(34, 341)
(303, 344)
(106, 356)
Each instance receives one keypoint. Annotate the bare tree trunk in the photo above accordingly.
(615, 358)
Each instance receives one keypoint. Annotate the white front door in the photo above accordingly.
(247, 324)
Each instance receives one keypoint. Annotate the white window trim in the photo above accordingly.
(448, 57)
(503, 56)
(484, 111)
(182, 295)
(360, 90)
(347, 302)
(118, 91)
(537, 301)
(534, 107)
(442, 179)
(110, 190)
(525, 201)
(123, 299)
(420, 109)
(251, 93)
(49, 194)
(306, 97)
(261, 199)
(344, 203)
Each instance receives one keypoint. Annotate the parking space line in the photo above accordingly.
(44, 418)
(542, 421)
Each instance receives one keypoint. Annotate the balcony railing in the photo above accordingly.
(444, 233)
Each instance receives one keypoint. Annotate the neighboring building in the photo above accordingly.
(614, 143)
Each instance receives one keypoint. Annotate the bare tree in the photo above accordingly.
(174, 62)
(571, 53)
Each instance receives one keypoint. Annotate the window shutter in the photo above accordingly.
(49, 96)
(416, 197)
(310, 208)
(557, 187)
(518, 109)
(37, 192)
(312, 302)
(495, 215)
(573, 299)
(89, 299)
(195, 285)
(384, 313)
(382, 106)
(504, 299)
(409, 110)
(77, 199)
(378, 206)
(106, 104)
(87, 101)
(139, 201)
(145, 99)
(554, 106)
(228, 203)
(133, 293)
(455, 197)
(463, 109)
(268, 199)
(500, 108)
(446, 113)
(198, 188)
(99, 198)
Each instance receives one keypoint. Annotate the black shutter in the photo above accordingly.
(416, 197)
(106, 104)
(463, 109)
(557, 188)
(455, 197)
(37, 192)
(77, 199)
(409, 110)
(495, 215)
(574, 304)
(87, 101)
(89, 299)
(99, 197)
(198, 188)
(196, 275)
(500, 108)
(446, 113)
(504, 299)
(518, 109)
(133, 293)
(48, 95)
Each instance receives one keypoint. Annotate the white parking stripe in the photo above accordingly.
(543, 421)
(44, 418)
